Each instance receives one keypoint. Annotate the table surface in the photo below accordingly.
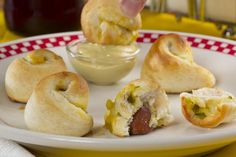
(149, 22)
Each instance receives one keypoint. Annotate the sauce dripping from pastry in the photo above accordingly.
(140, 122)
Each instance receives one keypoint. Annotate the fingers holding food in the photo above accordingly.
(170, 64)
(138, 108)
(208, 107)
(103, 22)
(58, 105)
(132, 7)
(23, 74)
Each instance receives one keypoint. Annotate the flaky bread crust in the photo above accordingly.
(104, 23)
(118, 117)
(22, 76)
(209, 122)
(58, 105)
(169, 63)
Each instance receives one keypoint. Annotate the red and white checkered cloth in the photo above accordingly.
(145, 37)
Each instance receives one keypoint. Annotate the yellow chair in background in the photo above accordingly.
(6, 35)
(151, 20)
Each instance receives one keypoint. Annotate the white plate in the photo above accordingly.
(215, 54)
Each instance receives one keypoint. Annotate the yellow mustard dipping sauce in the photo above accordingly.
(102, 64)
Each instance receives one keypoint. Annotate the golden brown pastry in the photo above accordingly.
(58, 105)
(170, 63)
(138, 108)
(208, 107)
(24, 73)
(104, 23)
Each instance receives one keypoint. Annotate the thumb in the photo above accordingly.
(132, 7)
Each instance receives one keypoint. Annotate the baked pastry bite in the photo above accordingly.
(138, 108)
(104, 23)
(208, 107)
(23, 74)
(170, 63)
(58, 105)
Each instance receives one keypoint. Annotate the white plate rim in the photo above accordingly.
(25, 136)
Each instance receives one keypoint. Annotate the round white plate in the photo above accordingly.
(215, 54)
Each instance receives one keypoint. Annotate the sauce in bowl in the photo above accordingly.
(102, 64)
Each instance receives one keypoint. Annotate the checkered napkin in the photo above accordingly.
(11, 149)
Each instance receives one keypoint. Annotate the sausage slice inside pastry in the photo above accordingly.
(138, 109)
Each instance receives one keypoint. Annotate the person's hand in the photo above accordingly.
(132, 7)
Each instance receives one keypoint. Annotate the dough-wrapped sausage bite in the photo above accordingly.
(208, 107)
(170, 64)
(58, 105)
(24, 73)
(104, 23)
(139, 107)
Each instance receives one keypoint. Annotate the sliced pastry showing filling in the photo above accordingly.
(170, 63)
(138, 109)
(23, 74)
(208, 107)
(104, 23)
(58, 105)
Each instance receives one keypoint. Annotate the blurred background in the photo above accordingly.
(210, 17)
(20, 18)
